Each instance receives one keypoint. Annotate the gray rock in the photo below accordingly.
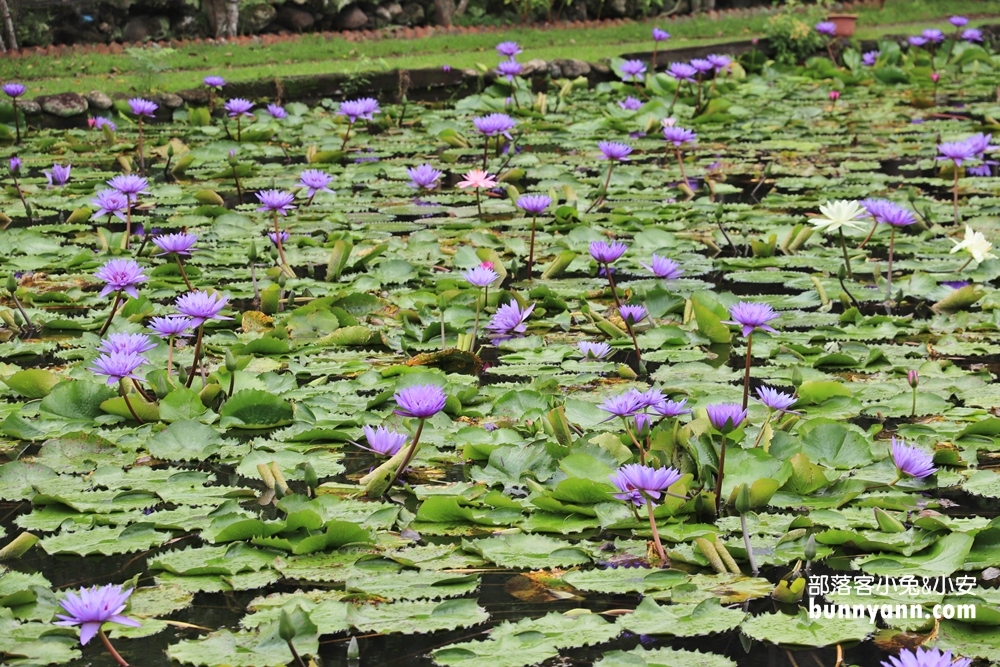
(171, 101)
(413, 14)
(568, 68)
(296, 20)
(64, 105)
(142, 28)
(352, 18)
(187, 27)
(255, 18)
(383, 14)
(615, 8)
(98, 100)
(29, 107)
(394, 9)
(534, 66)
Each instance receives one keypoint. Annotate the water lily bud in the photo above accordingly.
(286, 626)
(252, 255)
(913, 378)
(232, 158)
(230, 361)
(282, 280)
(18, 320)
(796, 377)
(170, 150)
(11, 284)
(182, 375)
(309, 476)
(160, 387)
(274, 253)
(810, 549)
(641, 425)
(935, 77)
(834, 95)
(353, 652)
(841, 272)
(743, 499)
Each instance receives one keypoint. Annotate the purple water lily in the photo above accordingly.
(141, 107)
(911, 461)
(672, 408)
(384, 441)
(605, 252)
(682, 71)
(751, 315)
(276, 111)
(58, 175)
(534, 204)
(508, 49)
(127, 343)
(660, 35)
(212, 81)
(420, 401)
(630, 103)
(633, 313)
(623, 405)
(201, 306)
(726, 417)
(14, 90)
(170, 326)
(957, 151)
(509, 69)
(494, 124)
(774, 399)
(678, 136)
(664, 268)
(615, 151)
(275, 201)
(958, 21)
(364, 108)
(828, 28)
(129, 185)
(238, 106)
(972, 35)
(925, 657)
(118, 365)
(90, 608)
(108, 203)
(509, 321)
(480, 276)
(640, 484)
(633, 70)
(591, 350)
(278, 237)
(179, 243)
(933, 35)
(424, 177)
(315, 180)
(869, 58)
(121, 275)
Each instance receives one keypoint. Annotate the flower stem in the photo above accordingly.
(295, 654)
(531, 247)
(680, 163)
(114, 309)
(111, 649)
(746, 543)
(746, 372)
(967, 262)
(604, 190)
(409, 454)
(17, 120)
(486, 148)
(142, 160)
(197, 355)
(722, 467)
(170, 356)
(128, 224)
(913, 406)
(888, 277)
(868, 238)
(954, 198)
(475, 326)
(847, 259)
(24, 202)
(635, 344)
(277, 242)
(655, 49)
(762, 428)
(347, 134)
(129, 403)
(183, 274)
(239, 129)
(239, 190)
(614, 292)
(479, 204)
(664, 562)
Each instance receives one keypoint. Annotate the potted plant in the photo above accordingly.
(844, 22)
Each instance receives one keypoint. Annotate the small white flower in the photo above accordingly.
(668, 122)
(839, 214)
(975, 244)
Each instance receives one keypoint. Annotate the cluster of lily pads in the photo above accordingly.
(324, 428)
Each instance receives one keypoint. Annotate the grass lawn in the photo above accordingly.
(316, 54)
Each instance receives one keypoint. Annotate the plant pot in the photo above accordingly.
(844, 22)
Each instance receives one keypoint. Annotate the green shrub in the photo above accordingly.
(792, 34)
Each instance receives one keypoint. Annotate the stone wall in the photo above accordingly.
(48, 22)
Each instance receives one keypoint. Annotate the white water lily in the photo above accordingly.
(839, 214)
(975, 244)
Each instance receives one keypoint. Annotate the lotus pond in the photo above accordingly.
(431, 420)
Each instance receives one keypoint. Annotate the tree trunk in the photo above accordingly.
(232, 17)
(9, 24)
(462, 6)
(223, 16)
(443, 11)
